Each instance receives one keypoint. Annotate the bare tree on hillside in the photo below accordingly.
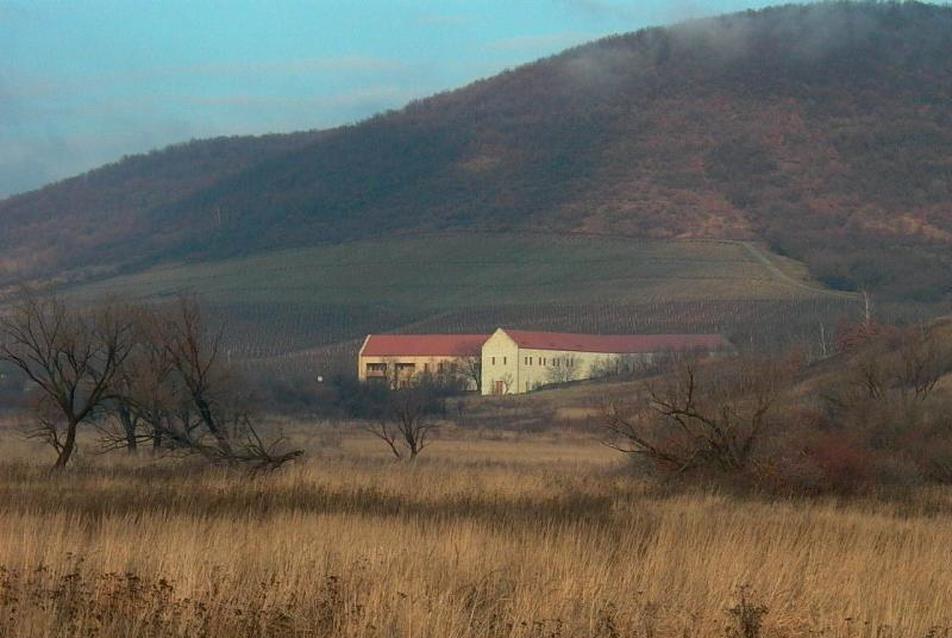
(699, 416)
(71, 357)
(906, 364)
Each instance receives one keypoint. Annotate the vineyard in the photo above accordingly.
(750, 324)
(306, 311)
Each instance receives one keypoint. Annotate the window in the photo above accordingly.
(530, 361)
(503, 361)
(439, 367)
(493, 360)
(377, 369)
(426, 367)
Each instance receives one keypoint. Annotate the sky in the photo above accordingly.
(83, 83)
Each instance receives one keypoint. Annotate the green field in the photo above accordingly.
(440, 272)
(325, 297)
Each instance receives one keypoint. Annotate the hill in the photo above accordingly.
(82, 223)
(822, 129)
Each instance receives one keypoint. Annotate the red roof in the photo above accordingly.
(424, 345)
(618, 344)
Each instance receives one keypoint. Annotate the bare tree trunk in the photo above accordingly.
(128, 427)
(69, 444)
(205, 412)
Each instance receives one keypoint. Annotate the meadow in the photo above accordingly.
(489, 533)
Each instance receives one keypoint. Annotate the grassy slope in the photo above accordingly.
(294, 301)
(441, 272)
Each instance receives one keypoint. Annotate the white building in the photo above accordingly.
(517, 361)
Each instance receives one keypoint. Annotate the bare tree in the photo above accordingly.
(564, 373)
(405, 423)
(905, 365)
(922, 362)
(700, 416)
(471, 368)
(73, 359)
(188, 400)
(143, 391)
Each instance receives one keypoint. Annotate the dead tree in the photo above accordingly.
(707, 417)
(72, 357)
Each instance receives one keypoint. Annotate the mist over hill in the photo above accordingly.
(825, 130)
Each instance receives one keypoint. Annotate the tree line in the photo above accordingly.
(135, 375)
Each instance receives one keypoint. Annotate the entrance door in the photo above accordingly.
(499, 387)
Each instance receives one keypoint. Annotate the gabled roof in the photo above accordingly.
(423, 345)
(616, 344)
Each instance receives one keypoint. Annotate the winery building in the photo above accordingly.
(517, 361)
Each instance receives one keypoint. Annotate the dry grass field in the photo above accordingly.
(542, 535)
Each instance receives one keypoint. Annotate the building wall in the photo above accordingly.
(400, 369)
(542, 367)
(509, 369)
(500, 364)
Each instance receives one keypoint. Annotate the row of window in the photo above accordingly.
(542, 361)
(381, 368)
(410, 367)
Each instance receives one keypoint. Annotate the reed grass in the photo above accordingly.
(542, 536)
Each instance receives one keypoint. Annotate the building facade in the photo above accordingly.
(396, 359)
(516, 361)
(519, 361)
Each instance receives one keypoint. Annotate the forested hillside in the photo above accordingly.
(99, 218)
(824, 129)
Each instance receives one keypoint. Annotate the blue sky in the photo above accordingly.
(83, 83)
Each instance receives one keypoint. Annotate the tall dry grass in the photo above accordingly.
(517, 537)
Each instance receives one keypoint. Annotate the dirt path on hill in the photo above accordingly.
(758, 254)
